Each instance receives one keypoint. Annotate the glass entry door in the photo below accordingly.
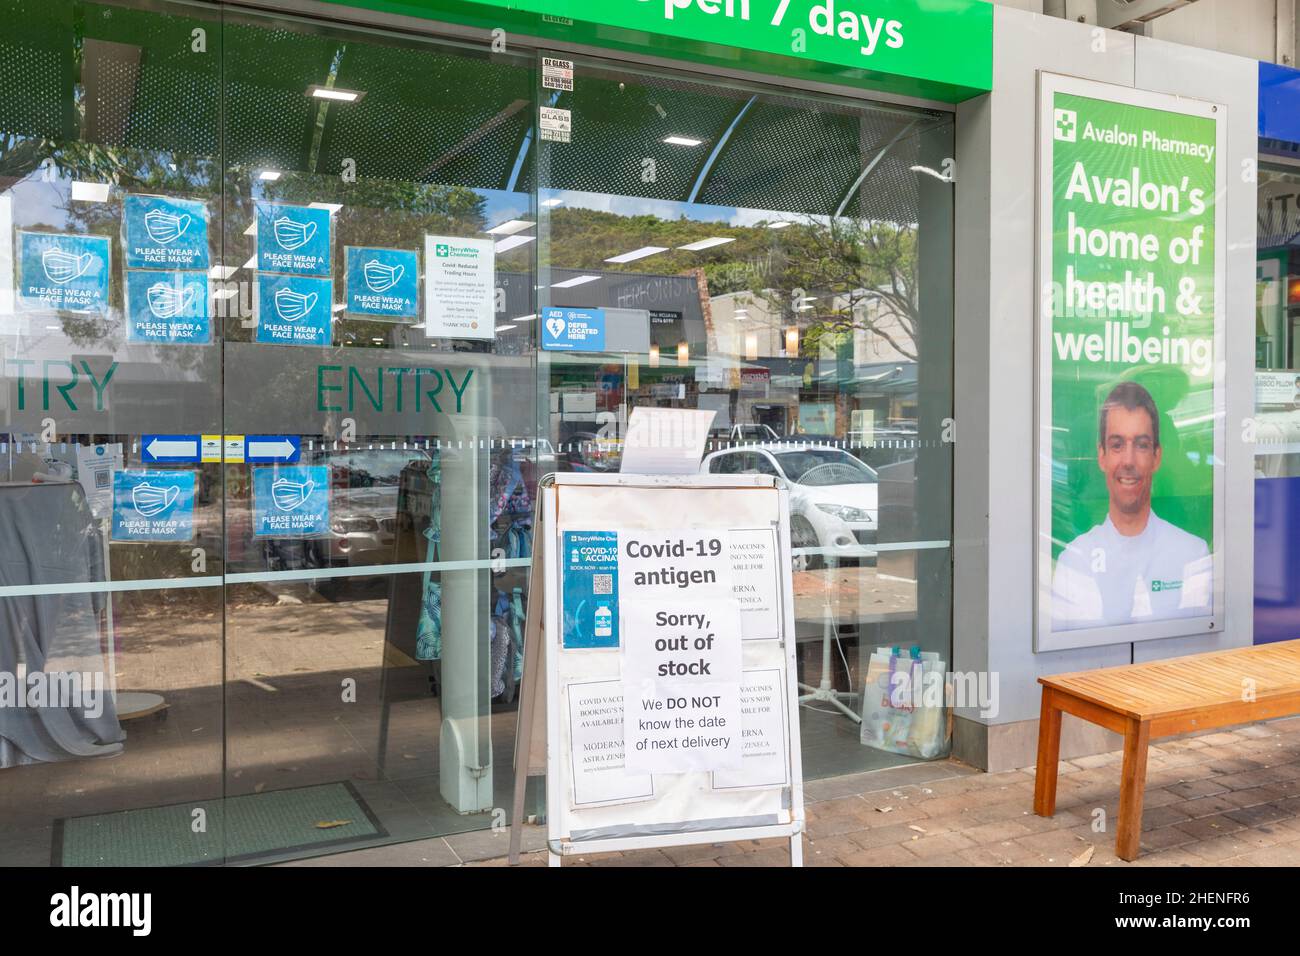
(785, 262)
(268, 439)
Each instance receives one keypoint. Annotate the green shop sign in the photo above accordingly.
(938, 49)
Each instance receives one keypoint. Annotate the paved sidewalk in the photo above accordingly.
(1229, 798)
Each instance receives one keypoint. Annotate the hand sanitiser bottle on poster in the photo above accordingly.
(604, 622)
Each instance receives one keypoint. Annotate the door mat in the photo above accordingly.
(237, 829)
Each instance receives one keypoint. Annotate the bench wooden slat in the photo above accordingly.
(1160, 698)
(1161, 688)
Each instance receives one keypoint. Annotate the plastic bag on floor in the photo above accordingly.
(904, 703)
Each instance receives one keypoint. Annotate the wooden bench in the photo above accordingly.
(1159, 699)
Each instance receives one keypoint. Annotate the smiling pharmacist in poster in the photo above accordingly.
(1134, 565)
(1131, 397)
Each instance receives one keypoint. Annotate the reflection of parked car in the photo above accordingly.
(833, 496)
(744, 433)
(588, 451)
(363, 506)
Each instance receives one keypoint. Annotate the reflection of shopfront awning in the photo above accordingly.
(430, 115)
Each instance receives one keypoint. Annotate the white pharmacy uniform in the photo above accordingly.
(1104, 578)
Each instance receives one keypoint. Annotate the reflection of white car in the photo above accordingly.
(833, 496)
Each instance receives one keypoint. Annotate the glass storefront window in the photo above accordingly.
(276, 398)
(791, 256)
(1277, 322)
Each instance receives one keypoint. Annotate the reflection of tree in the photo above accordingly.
(863, 273)
(375, 212)
(130, 171)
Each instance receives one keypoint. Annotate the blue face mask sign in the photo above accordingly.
(293, 239)
(291, 501)
(153, 505)
(383, 282)
(590, 589)
(292, 310)
(163, 233)
(573, 330)
(63, 272)
(170, 308)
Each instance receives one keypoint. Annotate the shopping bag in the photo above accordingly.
(904, 702)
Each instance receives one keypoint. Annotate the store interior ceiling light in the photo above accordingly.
(511, 242)
(334, 93)
(504, 328)
(552, 202)
(707, 243)
(638, 254)
(89, 192)
(269, 175)
(576, 280)
(682, 141)
(339, 307)
(226, 293)
(331, 206)
(524, 318)
(780, 225)
(510, 227)
(251, 263)
(252, 228)
(222, 272)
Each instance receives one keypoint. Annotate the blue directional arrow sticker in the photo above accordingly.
(170, 448)
(264, 449)
(293, 310)
(383, 282)
(293, 239)
(164, 233)
(64, 272)
(153, 505)
(573, 330)
(291, 501)
(169, 308)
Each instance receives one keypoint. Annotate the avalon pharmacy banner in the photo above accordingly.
(1130, 376)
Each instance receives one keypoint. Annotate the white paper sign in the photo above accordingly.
(1277, 388)
(681, 680)
(596, 742)
(95, 467)
(755, 582)
(557, 74)
(459, 288)
(682, 565)
(765, 762)
(665, 441)
(556, 124)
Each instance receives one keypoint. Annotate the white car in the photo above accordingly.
(833, 495)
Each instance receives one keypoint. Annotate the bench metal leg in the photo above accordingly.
(1133, 782)
(1049, 753)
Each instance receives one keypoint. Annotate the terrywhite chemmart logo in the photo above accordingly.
(1065, 126)
(444, 250)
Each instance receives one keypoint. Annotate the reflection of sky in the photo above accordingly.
(668, 209)
(37, 202)
(503, 206)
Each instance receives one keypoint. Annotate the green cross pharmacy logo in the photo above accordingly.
(1064, 124)
(442, 250)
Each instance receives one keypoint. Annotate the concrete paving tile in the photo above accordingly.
(1207, 828)
(681, 855)
(767, 857)
(879, 856)
(940, 844)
